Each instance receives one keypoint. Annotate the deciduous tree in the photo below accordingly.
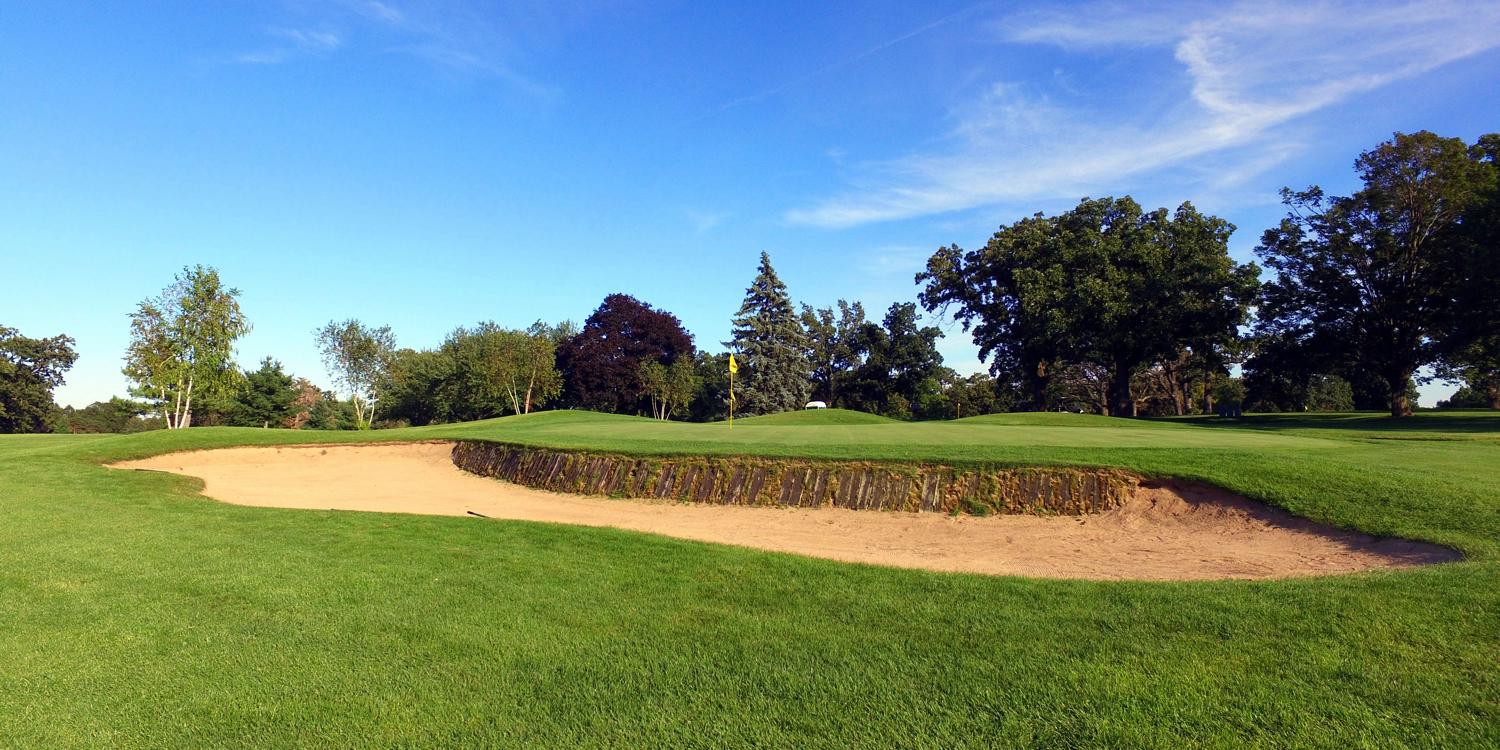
(1470, 342)
(1009, 296)
(601, 364)
(497, 370)
(358, 356)
(1104, 284)
(900, 359)
(29, 370)
(117, 415)
(833, 347)
(415, 386)
(1373, 277)
(669, 387)
(182, 343)
(711, 401)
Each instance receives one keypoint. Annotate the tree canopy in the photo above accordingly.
(495, 370)
(182, 343)
(1104, 284)
(359, 356)
(1380, 277)
(899, 360)
(117, 415)
(601, 365)
(29, 371)
(268, 397)
(832, 346)
(669, 387)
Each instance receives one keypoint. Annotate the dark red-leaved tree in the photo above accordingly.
(601, 365)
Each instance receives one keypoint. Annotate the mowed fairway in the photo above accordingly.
(136, 613)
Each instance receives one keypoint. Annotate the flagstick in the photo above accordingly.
(733, 367)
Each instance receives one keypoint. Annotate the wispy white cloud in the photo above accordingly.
(458, 36)
(706, 221)
(1248, 71)
(377, 11)
(894, 261)
(291, 44)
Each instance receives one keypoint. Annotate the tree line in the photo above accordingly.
(1106, 308)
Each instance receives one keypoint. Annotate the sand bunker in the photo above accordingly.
(1166, 531)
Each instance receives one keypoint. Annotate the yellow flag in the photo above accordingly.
(734, 366)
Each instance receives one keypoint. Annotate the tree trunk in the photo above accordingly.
(1492, 393)
(1120, 402)
(1400, 404)
(1174, 374)
(1041, 377)
(1396, 384)
(186, 420)
(175, 421)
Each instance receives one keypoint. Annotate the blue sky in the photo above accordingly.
(429, 163)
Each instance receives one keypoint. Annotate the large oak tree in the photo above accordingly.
(1470, 342)
(1104, 284)
(1378, 278)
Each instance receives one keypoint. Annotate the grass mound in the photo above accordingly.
(817, 417)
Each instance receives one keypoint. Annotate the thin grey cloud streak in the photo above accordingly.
(1252, 69)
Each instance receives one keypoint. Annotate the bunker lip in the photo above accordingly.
(1165, 530)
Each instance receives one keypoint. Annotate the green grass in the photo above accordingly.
(136, 613)
(817, 417)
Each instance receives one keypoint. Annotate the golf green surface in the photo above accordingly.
(134, 612)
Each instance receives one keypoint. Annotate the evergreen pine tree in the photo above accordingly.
(775, 374)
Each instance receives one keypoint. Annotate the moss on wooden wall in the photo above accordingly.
(743, 480)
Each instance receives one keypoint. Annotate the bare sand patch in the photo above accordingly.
(1166, 531)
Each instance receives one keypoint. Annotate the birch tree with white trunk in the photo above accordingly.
(182, 343)
(359, 358)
